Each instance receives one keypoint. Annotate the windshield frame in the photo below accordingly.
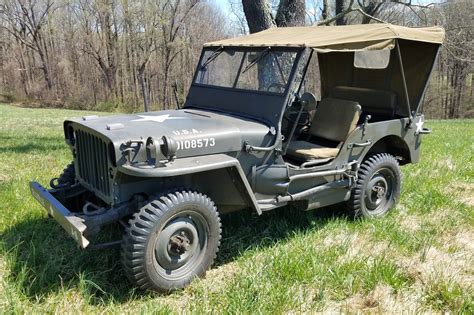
(246, 50)
(241, 102)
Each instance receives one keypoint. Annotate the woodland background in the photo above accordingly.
(117, 55)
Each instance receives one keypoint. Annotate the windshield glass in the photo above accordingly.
(264, 70)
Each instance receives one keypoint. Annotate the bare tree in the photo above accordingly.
(100, 38)
(451, 94)
(173, 17)
(141, 22)
(339, 10)
(258, 14)
(25, 21)
(290, 13)
(236, 9)
(123, 54)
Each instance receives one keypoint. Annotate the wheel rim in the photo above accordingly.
(379, 191)
(180, 245)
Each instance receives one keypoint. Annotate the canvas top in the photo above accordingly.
(336, 38)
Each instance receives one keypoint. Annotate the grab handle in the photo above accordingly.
(362, 144)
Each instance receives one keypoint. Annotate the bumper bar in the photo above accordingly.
(74, 225)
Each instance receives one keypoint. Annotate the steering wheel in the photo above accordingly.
(304, 112)
(280, 87)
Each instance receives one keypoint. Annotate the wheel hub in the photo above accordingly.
(179, 244)
(377, 192)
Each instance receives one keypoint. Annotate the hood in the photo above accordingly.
(197, 132)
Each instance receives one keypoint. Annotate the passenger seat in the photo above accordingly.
(334, 120)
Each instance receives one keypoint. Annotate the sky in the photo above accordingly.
(224, 5)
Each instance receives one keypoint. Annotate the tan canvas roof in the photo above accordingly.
(336, 38)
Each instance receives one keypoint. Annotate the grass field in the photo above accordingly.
(418, 258)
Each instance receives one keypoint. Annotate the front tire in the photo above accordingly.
(377, 188)
(171, 240)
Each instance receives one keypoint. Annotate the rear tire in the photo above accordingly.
(171, 240)
(377, 188)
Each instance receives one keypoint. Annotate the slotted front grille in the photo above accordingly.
(92, 162)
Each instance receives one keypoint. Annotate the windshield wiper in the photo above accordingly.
(211, 58)
(257, 59)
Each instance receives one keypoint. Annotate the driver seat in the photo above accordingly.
(334, 120)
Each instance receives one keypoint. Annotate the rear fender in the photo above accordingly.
(392, 136)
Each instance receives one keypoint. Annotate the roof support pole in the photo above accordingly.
(303, 76)
(405, 89)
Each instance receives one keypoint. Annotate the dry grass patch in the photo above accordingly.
(465, 191)
(465, 238)
(217, 277)
(382, 300)
(411, 222)
(337, 238)
(434, 263)
(4, 178)
(360, 244)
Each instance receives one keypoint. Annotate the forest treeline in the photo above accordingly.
(127, 54)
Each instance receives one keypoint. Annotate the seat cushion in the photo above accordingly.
(309, 151)
(371, 100)
(335, 119)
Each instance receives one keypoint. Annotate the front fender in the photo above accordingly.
(194, 165)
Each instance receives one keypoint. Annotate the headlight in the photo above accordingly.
(169, 147)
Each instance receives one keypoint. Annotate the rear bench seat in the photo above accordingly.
(380, 104)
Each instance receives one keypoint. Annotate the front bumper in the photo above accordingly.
(74, 225)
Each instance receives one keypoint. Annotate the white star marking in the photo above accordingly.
(159, 118)
(419, 126)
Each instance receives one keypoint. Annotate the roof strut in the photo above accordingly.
(405, 89)
(295, 124)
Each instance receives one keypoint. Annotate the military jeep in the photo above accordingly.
(257, 131)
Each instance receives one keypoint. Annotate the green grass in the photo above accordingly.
(418, 258)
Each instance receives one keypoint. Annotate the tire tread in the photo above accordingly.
(133, 249)
(367, 167)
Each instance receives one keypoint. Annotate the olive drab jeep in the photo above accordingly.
(257, 131)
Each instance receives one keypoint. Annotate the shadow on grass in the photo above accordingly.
(42, 259)
(13, 144)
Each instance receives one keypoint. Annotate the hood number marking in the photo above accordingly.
(196, 143)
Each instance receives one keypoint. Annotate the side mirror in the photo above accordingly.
(308, 101)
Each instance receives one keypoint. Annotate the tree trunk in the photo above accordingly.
(141, 78)
(290, 13)
(23, 72)
(325, 10)
(258, 14)
(44, 68)
(259, 18)
(339, 9)
(371, 9)
(166, 70)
